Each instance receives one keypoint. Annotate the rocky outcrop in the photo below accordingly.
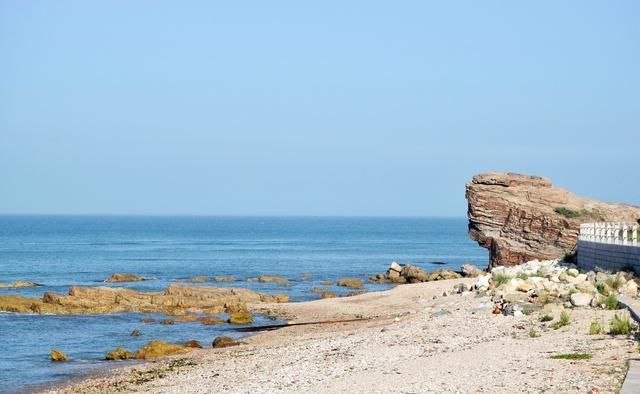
(155, 349)
(521, 218)
(120, 277)
(175, 300)
(409, 273)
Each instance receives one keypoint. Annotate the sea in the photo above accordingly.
(61, 251)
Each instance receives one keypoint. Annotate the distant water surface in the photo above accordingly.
(60, 251)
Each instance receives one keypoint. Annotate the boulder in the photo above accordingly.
(394, 267)
(193, 344)
(325, 293)
(155, 349)
(483, 282)
(121, 277)
(58, 355)
(240, 318)
(413, 274)
(444, 275)
(630, 289)
(351, 283)
(471, 271)
(581, 299)
(135, 333)
(119, 354)
(521, 218)
(224, 341)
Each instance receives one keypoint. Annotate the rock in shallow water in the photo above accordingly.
(58, 355)
(155, 349)
(119, 354)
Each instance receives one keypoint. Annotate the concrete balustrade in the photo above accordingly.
(609, 246)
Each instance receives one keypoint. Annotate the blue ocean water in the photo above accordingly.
(60, 251)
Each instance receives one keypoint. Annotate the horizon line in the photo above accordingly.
(236, 215)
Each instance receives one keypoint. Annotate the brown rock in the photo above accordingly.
(176, 299)
(413, 274)
(272, 279)
(240, 318)
(351, 283)
(193, 344)
(18, 284)
(210, 320)
(444, 275)
(58, 355)
(521, 218)
(325, 293)
(155, 349)
(471, 271)
(119, 354)
(136, 333)
(223, 341)
(224, 279)
(120, 277)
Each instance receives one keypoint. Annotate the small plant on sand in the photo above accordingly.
(596, 327)
(501, 279)
(615, 283)
(564, 320)
(571, 356)
(522, 276)
(533, 333)
(621, 325)
(611, 302)
(546, 318)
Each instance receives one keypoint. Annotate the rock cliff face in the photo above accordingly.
(521, 218)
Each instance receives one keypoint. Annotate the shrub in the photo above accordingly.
(533, 333)
(596, 327)
(611, 302)
(564, 320)
(621, 325)
(546, 318)
(501, 279)
(571, 356)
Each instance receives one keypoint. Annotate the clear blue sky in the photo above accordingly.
(337, 108)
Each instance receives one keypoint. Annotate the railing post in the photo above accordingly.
(634, 236)
(625, 234)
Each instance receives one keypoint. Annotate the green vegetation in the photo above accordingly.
(572, 356)
(533, 333)
(611, 302)
(546, 318)
(621, 325)
(564, 320)
(615, 283)
(596, 327)
(501, 279)
(571, 214)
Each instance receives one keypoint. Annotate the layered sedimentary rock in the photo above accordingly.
(521, 218)
(174, 300)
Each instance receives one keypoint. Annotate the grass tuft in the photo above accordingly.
(564, 320)
(501, 279)
(571, 356)
(546, 318)
(596, 327)
(611, 302)
(621, 325)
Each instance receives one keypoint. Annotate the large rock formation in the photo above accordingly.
(521, 218)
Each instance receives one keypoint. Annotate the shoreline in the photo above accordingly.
(414, 340)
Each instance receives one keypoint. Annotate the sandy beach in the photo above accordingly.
(413, 339)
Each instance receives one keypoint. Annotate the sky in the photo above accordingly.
(359, 108)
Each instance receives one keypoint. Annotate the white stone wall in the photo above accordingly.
(609, 246)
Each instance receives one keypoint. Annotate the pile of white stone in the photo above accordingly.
(541, 282)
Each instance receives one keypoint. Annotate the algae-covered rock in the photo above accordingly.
(186, 318)
(155, 349)
(272, 279)
(223, 279)
(135, 333)
(351, 283)
(325, 293)
(210, 320)
(123, 277)
(241, 318)
(224, 341)
(119, 354)
(58, 355)
(18, 284)
(176, 299)
(193, 344)
(167, 321)
(195, 279)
